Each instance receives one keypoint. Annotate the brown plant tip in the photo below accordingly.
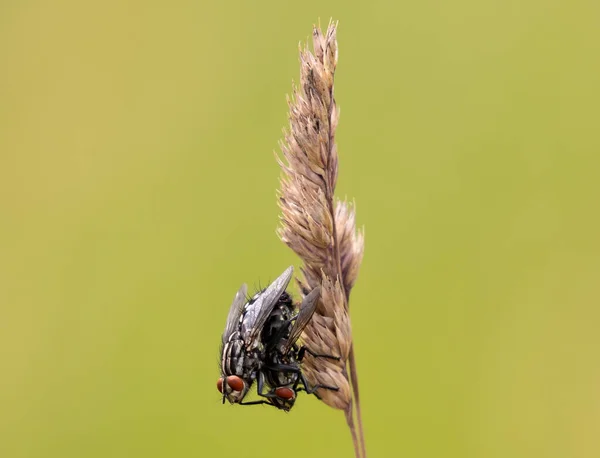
(318, 228)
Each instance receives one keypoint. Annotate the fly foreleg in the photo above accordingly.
(254, 403)
(283, 368)
(313, 389)
(260, 384)
(304, 350)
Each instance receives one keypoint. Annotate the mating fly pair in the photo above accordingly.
(260, 344)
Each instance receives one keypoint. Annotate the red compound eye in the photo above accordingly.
(220, 385)
(236, 383)
(285, 393)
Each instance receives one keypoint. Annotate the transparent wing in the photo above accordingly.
(258, 312)
(235, 312)
(307, 308)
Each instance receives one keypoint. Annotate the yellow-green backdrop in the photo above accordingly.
(137, 192)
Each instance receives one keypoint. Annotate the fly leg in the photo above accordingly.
(312, 390)
(259, 388)
(304, 350)
(301, 379)
(260, 384)
(254, 403)
(283, 368)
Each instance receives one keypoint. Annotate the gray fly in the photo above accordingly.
(260, 344)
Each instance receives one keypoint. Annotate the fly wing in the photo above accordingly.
(307, 308)
(235, 312)
(258, 312)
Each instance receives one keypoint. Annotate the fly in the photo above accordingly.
(260, 344)
(283, 355)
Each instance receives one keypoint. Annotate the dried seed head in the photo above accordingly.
(321, 231)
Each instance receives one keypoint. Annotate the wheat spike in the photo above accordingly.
(319, 228)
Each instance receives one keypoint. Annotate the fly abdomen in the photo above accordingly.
(233, 357)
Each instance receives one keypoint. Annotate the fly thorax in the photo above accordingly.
(253, 360)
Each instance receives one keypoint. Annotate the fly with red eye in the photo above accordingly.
(259, 344)
(242, 351)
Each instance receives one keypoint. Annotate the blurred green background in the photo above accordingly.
(137, 192)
